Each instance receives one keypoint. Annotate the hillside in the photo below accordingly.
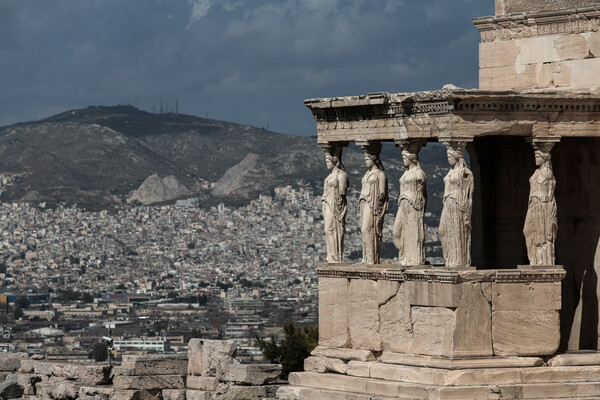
(96, 157)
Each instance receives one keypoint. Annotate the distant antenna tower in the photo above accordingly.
(176, 106)
(161, 109)
(167, 106)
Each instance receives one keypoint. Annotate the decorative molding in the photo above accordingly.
(440, 275)
(515, 276)
(540, 23)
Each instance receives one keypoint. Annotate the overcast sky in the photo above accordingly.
(246, 61)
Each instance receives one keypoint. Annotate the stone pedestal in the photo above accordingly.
(436, 333)
(440, 312)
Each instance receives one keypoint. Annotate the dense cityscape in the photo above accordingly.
(156, 276)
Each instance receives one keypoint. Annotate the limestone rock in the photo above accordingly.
(88, 375)
(64, 390)
(235, 392)
(11, 361)
(195, 357)
(253, 374)
(333, 312)
(173, 394)
(363, 315)
(160, 364)
(42, 368)
(198, 395)
(325, 364)
(96, 392)
(217, 356)
(157, 190)
(205, 383)
(10, 390)
(155, 394)
(26, 366)
(343, 354)
(234, 178)
(148, 382)
(359, 368)
(27, 381)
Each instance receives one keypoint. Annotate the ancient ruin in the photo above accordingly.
(517, 300)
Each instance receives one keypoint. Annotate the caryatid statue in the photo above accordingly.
(455, 222)
(334, 204)
(409, 227)
(541, 223)
(373, 203)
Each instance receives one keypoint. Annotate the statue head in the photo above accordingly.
(456, 152)
(333, 158)
(542, 153)
(372, 151)
(541, 157)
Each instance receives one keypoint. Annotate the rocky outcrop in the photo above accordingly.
(156, 190)
(235, 177)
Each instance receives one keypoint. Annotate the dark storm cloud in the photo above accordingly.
(252, 62)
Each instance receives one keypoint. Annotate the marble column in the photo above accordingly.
(409, 226)
(373, 203)
(334, 204)
(455, 221)
(541, 222)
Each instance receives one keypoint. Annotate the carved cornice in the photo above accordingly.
(441, 275)
(448, 112)
(540, 23)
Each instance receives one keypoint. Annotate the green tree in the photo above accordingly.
(99, 352)
(296, 346)
(22, 302)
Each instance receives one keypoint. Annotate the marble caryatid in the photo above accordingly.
(541, 223)
(455, 222)
(334, 205)
(373, 203)
(409, 227)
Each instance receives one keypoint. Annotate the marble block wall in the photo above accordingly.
(440, 313)
(541, 48)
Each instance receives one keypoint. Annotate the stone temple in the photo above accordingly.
(513, 313)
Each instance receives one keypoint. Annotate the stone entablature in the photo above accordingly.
(455, 113)
(439, 274)
(522, 6)
(538, 23)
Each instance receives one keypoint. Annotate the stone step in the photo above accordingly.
(478, 376)
(306, 393)
(358, 385)
(310, 384)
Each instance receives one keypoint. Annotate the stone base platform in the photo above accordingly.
(566, 376)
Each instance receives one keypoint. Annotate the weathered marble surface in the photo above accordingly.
(455, 221)
(334, 205)
(409, 226)
(541, 222)
(373, 203)
(438, 312)
(519, 6)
